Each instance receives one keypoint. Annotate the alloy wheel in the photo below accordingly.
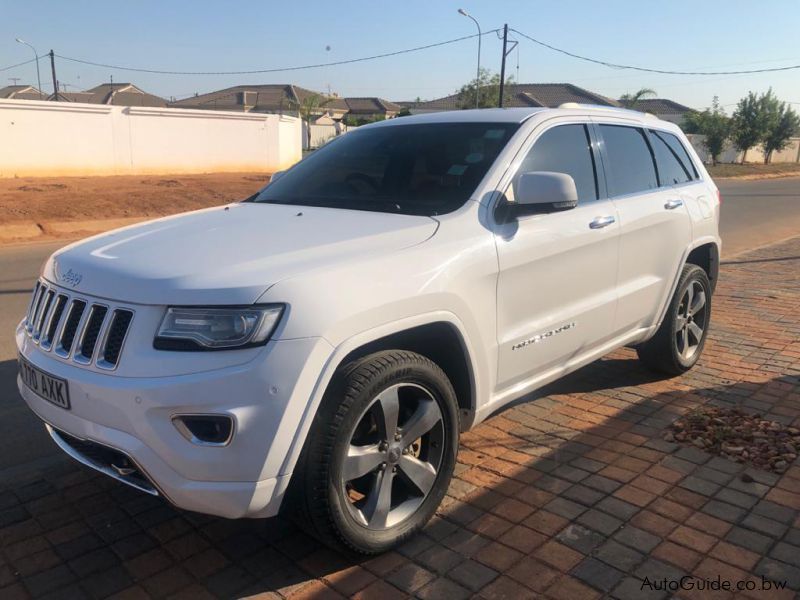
(690, 323)
(393, 456)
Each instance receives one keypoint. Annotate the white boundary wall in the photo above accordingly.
(65, 138)
(730, 154)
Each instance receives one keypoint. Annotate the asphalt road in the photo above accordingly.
(754, 213)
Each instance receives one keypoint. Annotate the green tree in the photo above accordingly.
(309, 109)
(784, 124)
(713, 124)
(751, 122)
(632, 100)
(487, 86)
(356, 121)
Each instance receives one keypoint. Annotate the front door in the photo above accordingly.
(556, 293)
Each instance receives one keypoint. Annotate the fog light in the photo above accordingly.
(205, 430)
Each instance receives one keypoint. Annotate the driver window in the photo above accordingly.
(564, 149)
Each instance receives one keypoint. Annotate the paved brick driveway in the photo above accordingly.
(570, 495)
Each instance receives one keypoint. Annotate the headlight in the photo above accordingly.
(216, 328)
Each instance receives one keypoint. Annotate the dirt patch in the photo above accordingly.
(43, 208)
(738, 436)
(166, 183)
(42, 187)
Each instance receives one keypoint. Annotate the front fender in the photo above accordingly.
(478, 372)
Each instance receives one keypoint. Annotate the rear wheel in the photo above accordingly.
(381, 452)
(679, 341)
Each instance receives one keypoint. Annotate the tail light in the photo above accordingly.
(719, 197)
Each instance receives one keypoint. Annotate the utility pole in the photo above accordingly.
(53, 70)
(503, 65)
(13, 80)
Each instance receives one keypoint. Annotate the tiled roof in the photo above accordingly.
(660, 106)
(371, 105)
(266, 97)
(21, 92)
(86, 97)
(118, 94)
(548, 95)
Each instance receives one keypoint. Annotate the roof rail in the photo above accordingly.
(600, 107)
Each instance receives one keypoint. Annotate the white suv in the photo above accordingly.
(320, 345)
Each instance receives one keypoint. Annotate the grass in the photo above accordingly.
(754, 170)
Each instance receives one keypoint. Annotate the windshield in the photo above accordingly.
(428, 169)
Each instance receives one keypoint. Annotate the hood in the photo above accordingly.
(226, 255)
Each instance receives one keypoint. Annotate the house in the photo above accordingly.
(21, 92)
(290, 99)
(370, 109)
(266, 98)
(548, 95)
(665, 109)
(115, 94)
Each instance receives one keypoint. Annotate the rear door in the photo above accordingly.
(644, 179)
(556, 291)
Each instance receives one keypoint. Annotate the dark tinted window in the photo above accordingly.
(417, 169)
(679, 150)
(631, 166)
(671, 169)
(565, 149)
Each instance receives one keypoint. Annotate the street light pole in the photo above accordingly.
(461, 11)
(503, 65)
(36, 54)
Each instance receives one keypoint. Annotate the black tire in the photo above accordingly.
(354, 406)
(667, 352)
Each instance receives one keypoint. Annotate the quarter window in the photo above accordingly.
(671, 170)
(679, 151)
(565, 149)
(631, 162)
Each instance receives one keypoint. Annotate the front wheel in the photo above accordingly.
(380, 453)
(679, 341)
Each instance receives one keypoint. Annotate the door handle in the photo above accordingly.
(600, 222)
(673, 204)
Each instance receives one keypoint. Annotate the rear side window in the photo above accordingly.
(631, 163)
(671, 170)
(677, 149)
(565, 149)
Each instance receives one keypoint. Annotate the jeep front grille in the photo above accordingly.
(78, 329)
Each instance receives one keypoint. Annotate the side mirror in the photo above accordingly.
(540, 192)
(276, 175)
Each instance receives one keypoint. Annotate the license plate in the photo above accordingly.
(52, 389)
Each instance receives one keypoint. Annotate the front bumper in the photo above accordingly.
(267, 397)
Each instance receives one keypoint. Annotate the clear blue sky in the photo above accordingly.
(219, 36)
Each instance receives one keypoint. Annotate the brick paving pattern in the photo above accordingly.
(572, 494)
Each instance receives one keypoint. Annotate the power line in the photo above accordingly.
(276, 70)
(19, 64)
(647, 70)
